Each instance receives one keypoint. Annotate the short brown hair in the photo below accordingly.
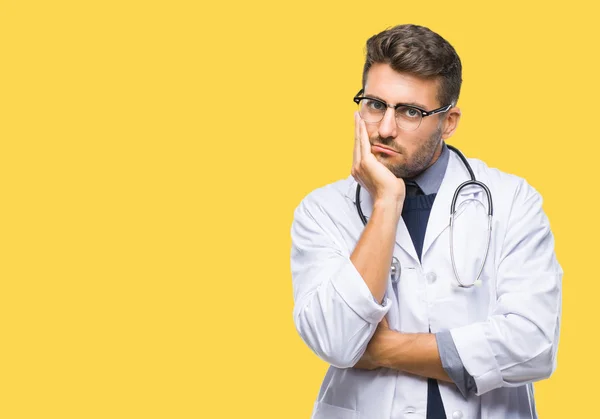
(421, 52)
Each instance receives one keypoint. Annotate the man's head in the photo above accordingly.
(410, 64)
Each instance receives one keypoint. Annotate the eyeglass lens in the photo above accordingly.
(372, 111)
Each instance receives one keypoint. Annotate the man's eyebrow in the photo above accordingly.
(415, 104)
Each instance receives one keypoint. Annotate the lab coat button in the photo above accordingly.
(410, 409)
(457, 415)
(431, 276)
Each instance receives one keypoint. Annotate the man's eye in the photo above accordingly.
(375, 105)
(408, 112)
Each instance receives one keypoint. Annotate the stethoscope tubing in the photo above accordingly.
(473, 181)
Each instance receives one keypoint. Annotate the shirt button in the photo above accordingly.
(410, 409)
(457, 415)
(431, 276)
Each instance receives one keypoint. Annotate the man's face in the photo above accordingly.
(415, 150)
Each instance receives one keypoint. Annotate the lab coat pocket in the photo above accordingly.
(327, 411)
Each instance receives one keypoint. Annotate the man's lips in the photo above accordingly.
(383, 149)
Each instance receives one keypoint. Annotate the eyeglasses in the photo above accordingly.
(408, 117)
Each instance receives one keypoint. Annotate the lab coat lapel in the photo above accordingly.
(439, 219)
(404, 241)
(402, 235)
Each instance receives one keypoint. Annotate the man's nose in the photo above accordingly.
(387, 126)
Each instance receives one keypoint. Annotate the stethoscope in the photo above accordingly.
(395, 268)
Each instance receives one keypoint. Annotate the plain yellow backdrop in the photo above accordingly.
(152, 154)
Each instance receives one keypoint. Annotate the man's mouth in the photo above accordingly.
(383, 149)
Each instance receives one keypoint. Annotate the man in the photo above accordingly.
(464, 327)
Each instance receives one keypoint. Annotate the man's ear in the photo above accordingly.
(450, 122)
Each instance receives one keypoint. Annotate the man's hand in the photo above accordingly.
(370, 173)
(369, 359)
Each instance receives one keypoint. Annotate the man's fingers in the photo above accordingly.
(364, 136)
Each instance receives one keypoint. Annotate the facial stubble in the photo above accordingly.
(418, 162)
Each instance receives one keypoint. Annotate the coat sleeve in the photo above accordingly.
(518, 343)
(334, 310)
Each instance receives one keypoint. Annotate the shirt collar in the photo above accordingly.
(430, 180)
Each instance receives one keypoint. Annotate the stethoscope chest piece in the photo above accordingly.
(395, 270)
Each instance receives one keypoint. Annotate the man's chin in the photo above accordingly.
(397, 171)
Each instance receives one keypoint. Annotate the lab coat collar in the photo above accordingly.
(439, 219)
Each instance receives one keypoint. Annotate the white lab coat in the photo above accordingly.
(506, 331)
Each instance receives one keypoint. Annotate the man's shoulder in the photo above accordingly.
(508, 184)
(331, 195)
(496, 178)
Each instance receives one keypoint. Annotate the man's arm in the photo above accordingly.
(414, 353)
(423, 354)
(337, 295)
(335, 313)
(518, 342)
(372, 255)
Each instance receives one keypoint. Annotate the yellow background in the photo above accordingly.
(152, 154)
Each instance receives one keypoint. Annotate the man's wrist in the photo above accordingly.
(388, 344)
(389, 205)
